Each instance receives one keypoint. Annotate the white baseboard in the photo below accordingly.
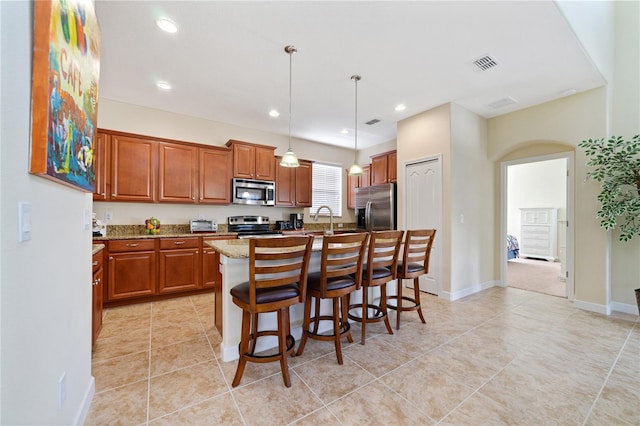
(624, 308)
(592, 307)
(468, 291)
(81, 417)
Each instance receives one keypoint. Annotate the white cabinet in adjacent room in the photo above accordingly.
(539, 233)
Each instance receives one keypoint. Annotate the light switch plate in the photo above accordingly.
(24, 221)
(86, 219)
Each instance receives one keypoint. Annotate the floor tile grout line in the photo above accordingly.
(606, 379)
(476, 390)
(149, 366)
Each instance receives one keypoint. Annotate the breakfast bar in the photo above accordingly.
(234, 267)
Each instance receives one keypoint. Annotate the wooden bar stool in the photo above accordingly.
(381, 267)
(340, 274)
(414, 263)
(277, 279)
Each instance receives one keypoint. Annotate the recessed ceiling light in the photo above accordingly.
(163, 85)
(344, 131)
(400, 107)
(274, 113)
(167, 25)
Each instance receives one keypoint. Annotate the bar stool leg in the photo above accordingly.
(306, 322)
(283, 319)
(365, 313)
(383, 306)
(336, 328)
(244, 348)
(416, 292)
(398, 303)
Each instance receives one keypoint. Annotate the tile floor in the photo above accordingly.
(502, 356)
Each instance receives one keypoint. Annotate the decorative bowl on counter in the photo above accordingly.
(152, 226)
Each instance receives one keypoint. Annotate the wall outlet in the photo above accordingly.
(108, 216)
(62, 389)
(201, 216)
(340, 225)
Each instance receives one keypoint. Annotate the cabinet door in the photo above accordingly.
(365, 179)
(133, 175)
(244, 161)
(179, 270)
(215, 176)
(392, 167)
(379, 168)
(352, 183)
(210, 268)
(177, 165)
(285, 184)
(304, 184)
(131, 274)
(265, 168)
(101, 166)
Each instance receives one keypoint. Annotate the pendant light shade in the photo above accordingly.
(289, 159)
(356, 169)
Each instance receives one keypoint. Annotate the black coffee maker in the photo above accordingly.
(296, 220)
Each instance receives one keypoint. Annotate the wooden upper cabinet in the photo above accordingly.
(251, 161)
(285, 184)
(177, 166)
(383, 168)
(365, 179)
(304, 184)
(353, 182)
(101, 166)
(294, 184)
(215, 175)
(133, 169)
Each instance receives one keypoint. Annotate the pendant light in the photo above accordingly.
(289, 159)
(356, 169)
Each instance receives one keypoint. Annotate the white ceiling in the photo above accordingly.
(227, 61)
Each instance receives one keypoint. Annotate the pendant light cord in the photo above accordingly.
(356, 78)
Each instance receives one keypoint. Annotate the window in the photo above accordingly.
(327, 189)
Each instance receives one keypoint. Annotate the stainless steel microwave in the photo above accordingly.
(254, 192)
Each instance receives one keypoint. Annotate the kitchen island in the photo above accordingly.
(234, 267)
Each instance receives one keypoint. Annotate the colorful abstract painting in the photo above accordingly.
(66, 69)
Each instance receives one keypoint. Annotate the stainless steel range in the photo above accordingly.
(251, 226)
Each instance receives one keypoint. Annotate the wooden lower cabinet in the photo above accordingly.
(179, 264)
(132, 269)
(97, 298)
(211, 276)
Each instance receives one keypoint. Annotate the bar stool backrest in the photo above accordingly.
(384, 247)
(417, 250)
(343, 256)
(279, 262)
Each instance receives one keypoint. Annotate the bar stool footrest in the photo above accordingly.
(291, 342)
(415, 306)
(378, 313)
(345, 327)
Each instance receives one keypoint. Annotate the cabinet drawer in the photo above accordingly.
(118, 246)
(96, 262)
(178, 243)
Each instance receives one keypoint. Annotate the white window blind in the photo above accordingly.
(327, 189)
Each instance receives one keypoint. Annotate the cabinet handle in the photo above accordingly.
(132, 244)
(94, 263)
(179, 243)
(193, 198)
(113, 195)
(110, 257)
(196, 251)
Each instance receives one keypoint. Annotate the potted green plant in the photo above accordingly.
(617, 168)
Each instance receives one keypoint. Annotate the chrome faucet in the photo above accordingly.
(315, 219)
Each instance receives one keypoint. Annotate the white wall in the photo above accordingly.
(472, 209)
(45, 283)
(537, 184)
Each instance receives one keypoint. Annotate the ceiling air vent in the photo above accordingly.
(485, 63)
(374, 121)
(502, 102)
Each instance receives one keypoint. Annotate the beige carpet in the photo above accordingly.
(536, 275)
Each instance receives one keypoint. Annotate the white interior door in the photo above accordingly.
(423, 209)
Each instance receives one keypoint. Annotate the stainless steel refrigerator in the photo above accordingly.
(376, 207)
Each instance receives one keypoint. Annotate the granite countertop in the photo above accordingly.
(239, 249)
(124, 236)
(96, 248)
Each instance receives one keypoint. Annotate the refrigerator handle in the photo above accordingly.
(368, 225)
